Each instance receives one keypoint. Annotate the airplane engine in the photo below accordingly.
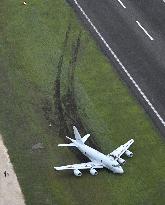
(93, 172)
(77, 173)
(128, 153)
(121, 161)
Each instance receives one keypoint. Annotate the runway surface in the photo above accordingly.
(132, 34)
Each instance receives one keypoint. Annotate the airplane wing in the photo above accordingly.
(87, 165)
(120, 150)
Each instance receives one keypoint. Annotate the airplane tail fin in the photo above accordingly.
(78, 136)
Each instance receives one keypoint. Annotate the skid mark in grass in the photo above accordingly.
(65, 113)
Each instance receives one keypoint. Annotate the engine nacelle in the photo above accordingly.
(77, 173)
(128, 153)
(93, 172)
(121, 161)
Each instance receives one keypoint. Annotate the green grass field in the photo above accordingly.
(43, 48)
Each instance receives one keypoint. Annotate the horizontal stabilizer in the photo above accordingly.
(67, 145)
(84, 139)
(72, 144)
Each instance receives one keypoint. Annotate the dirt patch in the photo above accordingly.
(10, 192)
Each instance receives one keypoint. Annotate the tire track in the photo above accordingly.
(69, 100)
(65, 113)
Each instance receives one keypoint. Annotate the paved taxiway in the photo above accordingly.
(131, 33)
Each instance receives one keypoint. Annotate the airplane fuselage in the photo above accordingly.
(101, 158)
(98, 160)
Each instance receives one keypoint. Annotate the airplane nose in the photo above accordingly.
(121, 171)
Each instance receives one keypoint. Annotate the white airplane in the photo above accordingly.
(98, 160)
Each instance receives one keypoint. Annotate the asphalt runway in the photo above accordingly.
(131, 34)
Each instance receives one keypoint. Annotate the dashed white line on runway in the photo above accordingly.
(120, 63)
(122, 4)
(146, 32)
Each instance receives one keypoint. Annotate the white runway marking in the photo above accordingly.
(151, 38)
(122, 4)
(120, 63)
